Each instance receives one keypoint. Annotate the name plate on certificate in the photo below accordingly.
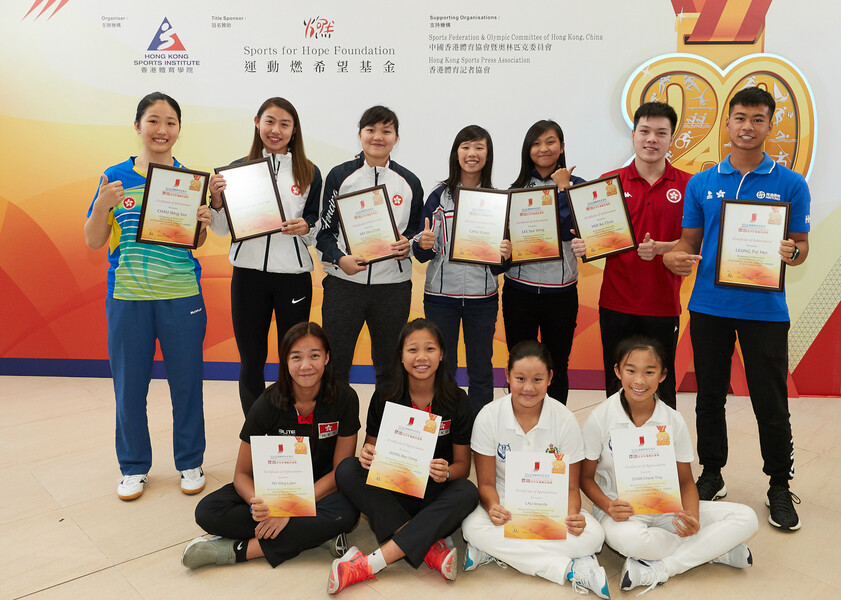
(480, 219)
(405, 446)
(601, 217)
(537, 494)
(749, 243)
(252, 202)
(533, 225)
(283, 474)
(170, 201)
(367, 223)
(646, 470)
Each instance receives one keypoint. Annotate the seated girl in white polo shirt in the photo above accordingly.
(658, 546)
(529, 420)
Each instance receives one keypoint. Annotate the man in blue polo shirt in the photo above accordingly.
(759, 317)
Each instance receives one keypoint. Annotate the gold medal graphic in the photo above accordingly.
(721, 50)
(662, 436)
(430, 424)
(611, 188)
(558, 465)
(300, 446)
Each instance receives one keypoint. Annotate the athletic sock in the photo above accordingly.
(240, 549)
(376, 561)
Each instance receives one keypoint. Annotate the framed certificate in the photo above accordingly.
(533, 225)
(170, 201)
(479, 223)
(252, 202)
(367, 223)
(646, 469)
(749, 242)
(405, 446)
(282, 466)
(537, 494)
(601, 217)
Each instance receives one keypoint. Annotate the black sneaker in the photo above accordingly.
(711, 487)
(781, 501)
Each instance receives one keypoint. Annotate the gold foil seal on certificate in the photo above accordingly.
(195, 184)
(558, 465)
(662, 436)
(721, 50)
(378, 199)
(775, 217)
(300, 446)
(547, 198)
(429, 426)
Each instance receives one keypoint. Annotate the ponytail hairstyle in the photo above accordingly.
(527, 349)
(471, 133)
(281, 392)
(631, 344)
(526, 163)
(149, 99)
(302, 168)
(397, 385)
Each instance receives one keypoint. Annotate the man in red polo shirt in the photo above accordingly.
(639, 296)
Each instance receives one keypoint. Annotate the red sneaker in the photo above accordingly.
(352, 568)
(444, 558)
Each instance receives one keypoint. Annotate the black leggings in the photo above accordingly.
(255, 295)
(224, 513)
(554, 315)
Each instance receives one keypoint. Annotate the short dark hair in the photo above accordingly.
(281, 392)
(526, 163)
(753, 96)
(471, 133)
(656, 109)
(149, 99)
(379, 114)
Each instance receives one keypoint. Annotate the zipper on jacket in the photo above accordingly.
(266, 258)
(298, 252)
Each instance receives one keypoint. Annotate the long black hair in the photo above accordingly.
(397, 385)
(282, 391)
(526, 163)
(471, 133)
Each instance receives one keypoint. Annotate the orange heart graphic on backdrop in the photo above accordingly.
(700, 93)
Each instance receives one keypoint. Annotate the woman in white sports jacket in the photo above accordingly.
(272, 274)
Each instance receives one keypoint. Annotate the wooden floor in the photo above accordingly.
(65, 534)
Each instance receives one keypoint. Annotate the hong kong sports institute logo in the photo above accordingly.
(166, 40)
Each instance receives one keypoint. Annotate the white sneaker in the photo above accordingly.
(739, 558)
(473, 558)
(643, 572)
(586, 574)
(131, 486)
(209, 551)
(192, 481)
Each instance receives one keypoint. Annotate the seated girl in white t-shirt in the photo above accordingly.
(658, 546)
(529, 420)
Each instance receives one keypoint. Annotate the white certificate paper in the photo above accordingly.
(405, 446)
(283, 474)
(646, 469)
(537, 494)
